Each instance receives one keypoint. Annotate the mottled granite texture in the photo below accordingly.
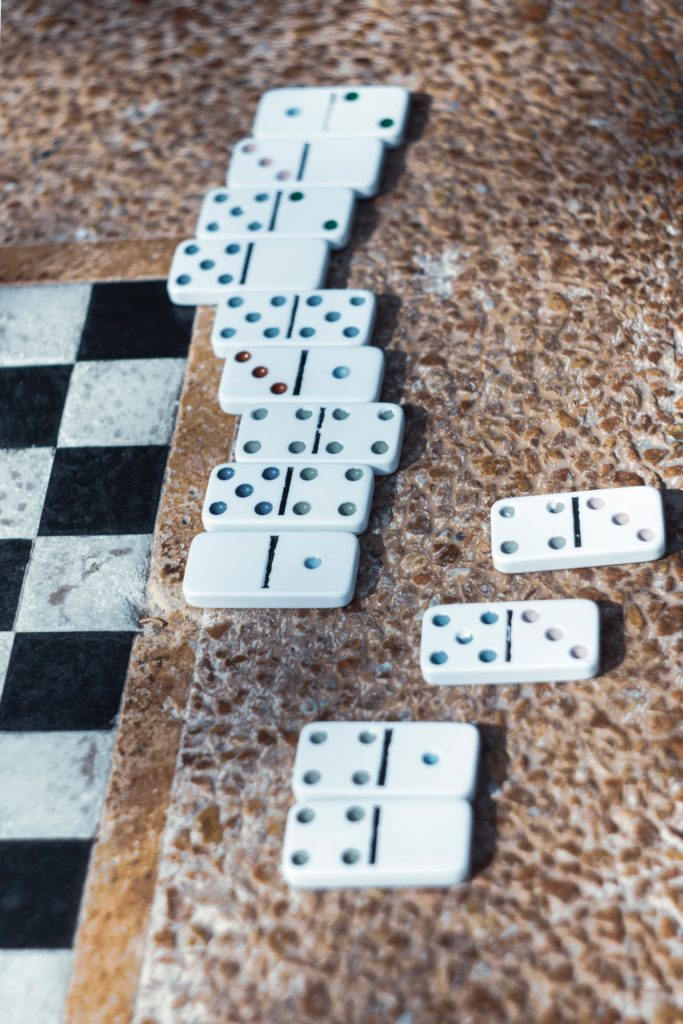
(527, 251)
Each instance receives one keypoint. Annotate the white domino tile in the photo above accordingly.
(377, 760)
(330, 316)
(510, 642)
(333, 844)
(249, 214)
(206, 271)
(378, 111)
(262, 570)
(284, 163)
(282, 497)
(611, 526)
(273, 374)
(366, 433)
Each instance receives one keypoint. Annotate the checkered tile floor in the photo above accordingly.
(89, 381)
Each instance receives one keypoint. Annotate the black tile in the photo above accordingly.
(64, 681)
(14, 556)
(103, 490)
(31, 403)
(134, 320)
(42, 883)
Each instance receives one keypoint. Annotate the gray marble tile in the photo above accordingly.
(84, 583)
(34, 984)
(41, 324)
(122, 401)
(24, 473)
(5, 651)
(52, 783)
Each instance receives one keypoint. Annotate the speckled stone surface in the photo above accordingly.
(527, 252)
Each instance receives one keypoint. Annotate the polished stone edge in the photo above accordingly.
(121, 881)
(125, 260)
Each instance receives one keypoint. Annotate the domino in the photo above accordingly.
(378, 760)
(331, 316)
(282, 497)
(244, 213)
(576, 530)
(365, 433)
(510, 642)
(336, 844)
(261, 570)
(378, 111)
(283, 163)
(271, 374)
(205, 271)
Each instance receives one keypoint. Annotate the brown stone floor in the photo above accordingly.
(526, 249)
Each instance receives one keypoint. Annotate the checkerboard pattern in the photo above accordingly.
(89, 381)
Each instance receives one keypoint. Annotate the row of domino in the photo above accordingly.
(282, 520)
(378, 803)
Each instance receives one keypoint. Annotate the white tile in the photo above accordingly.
(52, 783)
(24, 474)
(84, 583)
(34, 985)
(121, 401)
(5, 651)
(41, 324)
